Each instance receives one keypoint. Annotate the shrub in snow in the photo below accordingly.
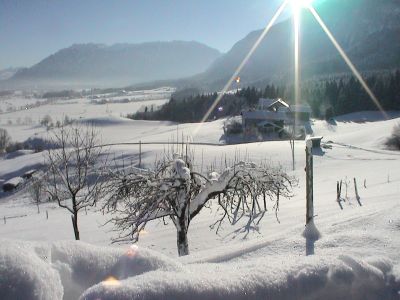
(394, 141)
(5, 140)
(176, 191)
(233, 125)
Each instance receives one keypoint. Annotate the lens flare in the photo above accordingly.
(348, 61)
(240, 67)
(111, 282)
(132, 251)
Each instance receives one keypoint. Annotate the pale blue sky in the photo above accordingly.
(32, 29)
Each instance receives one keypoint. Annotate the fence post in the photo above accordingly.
(5, 221)
(140, 154)
(47, 214)
(338, 198)
(356, 191)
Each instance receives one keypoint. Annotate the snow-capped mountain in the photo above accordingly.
(120, 63)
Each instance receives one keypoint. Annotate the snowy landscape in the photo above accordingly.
(153, 150)
(356, 256)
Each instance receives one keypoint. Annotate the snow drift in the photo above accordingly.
(344, 277)
(64, 270)
(72, 270)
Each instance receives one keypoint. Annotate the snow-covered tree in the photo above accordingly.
(176, 191)
(74, 178)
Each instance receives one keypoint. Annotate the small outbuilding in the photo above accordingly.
(12, 184)
(29, 174)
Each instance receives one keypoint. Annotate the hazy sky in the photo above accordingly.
(32, 29)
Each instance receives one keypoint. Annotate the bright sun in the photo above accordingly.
(298, 4)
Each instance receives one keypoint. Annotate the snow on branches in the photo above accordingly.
(176, 191)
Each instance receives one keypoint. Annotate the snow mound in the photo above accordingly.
(286, 278)
(25, 274)
(82, 265)
(311, 232)
(75, 270)
(64, 270)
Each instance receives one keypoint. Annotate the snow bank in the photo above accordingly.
(25, 273)
(82, 265)
(284, 278)
(75, 270)
(64, 270)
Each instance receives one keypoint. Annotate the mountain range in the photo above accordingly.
(367, 30)
(121, 64)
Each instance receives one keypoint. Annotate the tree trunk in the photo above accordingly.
(182, 240)
(74, 218)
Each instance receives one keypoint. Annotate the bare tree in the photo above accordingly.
(36, 191)
(74, 178)
(175, 191)
(5, 140)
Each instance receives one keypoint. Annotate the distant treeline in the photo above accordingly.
(327, 98)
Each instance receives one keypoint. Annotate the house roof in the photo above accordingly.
(264, 115)
(279, 102)
(265, 102)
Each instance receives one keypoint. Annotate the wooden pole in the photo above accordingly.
(311, 233)
(356, 191)
(309, 183)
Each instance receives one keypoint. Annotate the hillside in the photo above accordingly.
(121, 64)
(368, 31)
(356, 257)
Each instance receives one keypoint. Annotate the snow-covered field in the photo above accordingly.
(357, 256)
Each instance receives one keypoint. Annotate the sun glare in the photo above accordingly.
(235, 75)
(299, 4)
(348, 62)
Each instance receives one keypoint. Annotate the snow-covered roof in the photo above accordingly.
(279, 103)
(14, 181)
